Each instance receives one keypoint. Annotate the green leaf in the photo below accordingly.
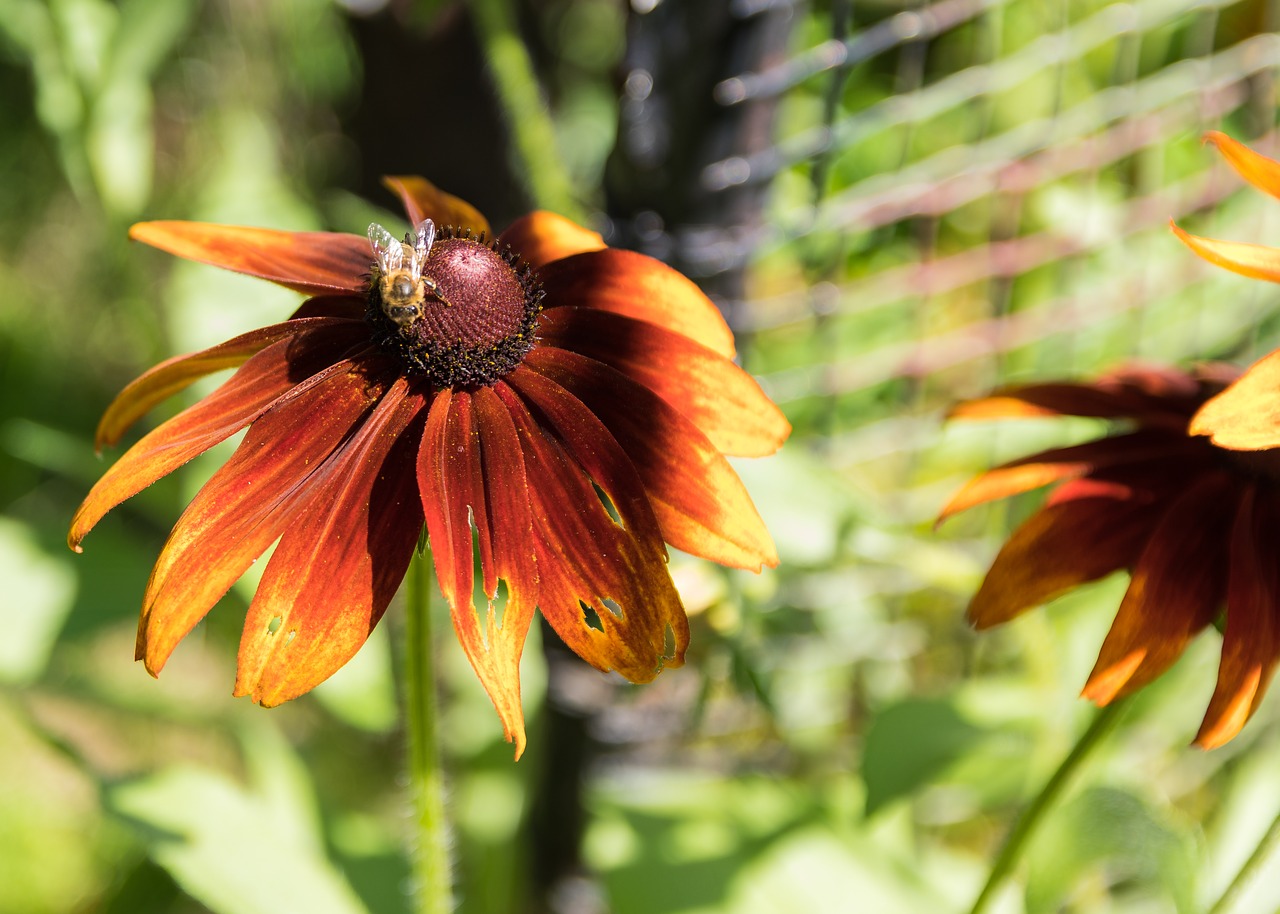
(910, 744)
(39, 592)
(1116, 832)
(228, 847)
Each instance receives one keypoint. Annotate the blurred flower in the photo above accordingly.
(1254, 260)
(563, 406)
(1193, 522)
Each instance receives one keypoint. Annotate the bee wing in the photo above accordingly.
(424, 235)
(388, 251)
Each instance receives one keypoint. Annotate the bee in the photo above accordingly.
(402, 286)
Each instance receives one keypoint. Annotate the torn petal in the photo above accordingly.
(337, 566)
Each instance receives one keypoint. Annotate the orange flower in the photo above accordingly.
(1194, 522)
(565, 405)
(1255, 260)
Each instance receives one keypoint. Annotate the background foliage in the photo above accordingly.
(897, 204)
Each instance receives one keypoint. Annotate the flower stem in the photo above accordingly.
(1026, 826)
(1249, 871)
(532, 131)
(431, 871)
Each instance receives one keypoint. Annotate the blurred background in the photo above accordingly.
(897, 205)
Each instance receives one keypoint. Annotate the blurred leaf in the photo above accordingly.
(1118, 832)
(910, 744)
(815, 872)
(119, 146)
(229, 853)
(806, 506)
(362, 693)
(39, 592)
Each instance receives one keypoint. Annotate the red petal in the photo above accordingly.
(588, 560)
(173, 375)
(1251, 643)
(592, 446)
(344, 306)
(288, 365)
(1259, 170)
(470, 470)
(245, 507)
(338, 565)
(700, 502)
(1177, 584)
(541, 237)
(309, 262)
(637, 286)
(1058, 548)
(1038, 470)
(423, 200)
(718, 396)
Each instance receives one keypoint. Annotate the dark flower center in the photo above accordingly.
(468, 321)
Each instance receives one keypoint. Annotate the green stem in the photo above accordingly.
(534, 137)
(1249, 871)
(431, 870)
(1016, 843)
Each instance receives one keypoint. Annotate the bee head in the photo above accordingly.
(403, 315)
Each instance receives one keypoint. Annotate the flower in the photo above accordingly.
(1194, 522)
(1255, 260)
(564, 405)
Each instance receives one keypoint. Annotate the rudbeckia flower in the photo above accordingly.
(556, 407)
(1194, 523)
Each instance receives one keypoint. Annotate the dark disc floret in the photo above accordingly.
(477, 320)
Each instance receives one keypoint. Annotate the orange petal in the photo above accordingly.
(470, 470)
(1177, 584)
(1038, 470)
(1058, 548)
(423, 200)
(604, 589)
(244, 508)
(1259, 170)
(310, 262)
(1245, 416)
(699, 501)
(1256, 261)
(176, 374)
(337, 567)
(640, 287)
(541, 237)
(1251, 643)
(719, 397)
(282, 367)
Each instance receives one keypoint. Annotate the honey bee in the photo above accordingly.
(402, 286)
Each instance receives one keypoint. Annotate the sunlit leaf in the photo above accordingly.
(225, 850)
